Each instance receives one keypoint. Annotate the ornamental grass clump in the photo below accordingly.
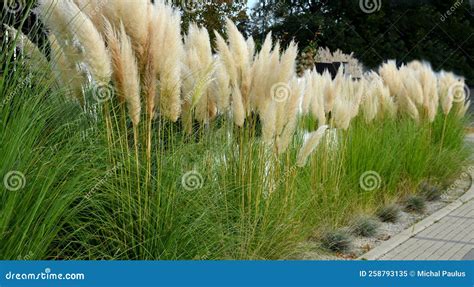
(415, 203)
(364, 226)
(337, 241)
(430, 192)
(209, 153)
(388, 213)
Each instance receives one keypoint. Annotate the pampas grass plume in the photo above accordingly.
(131, 85)
(169, 54)
(96, 57)
(446, 81)
(310, 145)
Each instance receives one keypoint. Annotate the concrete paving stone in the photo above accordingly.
(469, 255)
(450, 238)
(452, 251)
(408, 248)
(461, 253)
(426, 251)
(439, 245)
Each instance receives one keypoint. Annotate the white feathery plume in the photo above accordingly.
(388, 107)
(416, 66)
(329, 92)
(288, 63)
(238, 109)
(149, 72)
(389, 73)
(429, 84)
(64, 17)
(308, 92)
(355, 91)
(131, 85)
(97, 57)
(446, 96)
(283, 86)
(370, 103)
(200, 66)
(115, 49)
(268, 116)
(310, 145)
(237, 45)
(342, 112)
(317, 101)
(28, 48)
(227, 60)
(251, 48)
(241, 52)
(221, 89)
(52, 14)
(268, 93)
(463, 107)
(286, 134)
(93, 10)
(170, 52)
(460, 97)
(133, 15)
(65, 71)
(225, 57)
(413, 88)
(260, 88)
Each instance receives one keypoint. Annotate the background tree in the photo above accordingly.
(212, 14)
(441, 32)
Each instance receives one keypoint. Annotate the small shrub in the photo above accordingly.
(337, 240)
(389, 213)
(431, 192)
(415, 203)
(365, 226)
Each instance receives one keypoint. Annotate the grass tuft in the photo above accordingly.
(365, 226)
(415, 204)
(337, 240)
(430, 192)
(388, 213)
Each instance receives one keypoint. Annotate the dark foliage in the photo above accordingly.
(436, 31)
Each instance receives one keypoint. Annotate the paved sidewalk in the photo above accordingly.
(448, 234)
(451, 238)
